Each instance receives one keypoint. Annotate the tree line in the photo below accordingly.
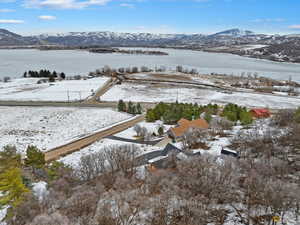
(44, 74)
(130, 108)
(171, 113)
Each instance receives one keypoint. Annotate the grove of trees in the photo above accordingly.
(171, 113)
(130, 108)
(44, 74)
(235, 113)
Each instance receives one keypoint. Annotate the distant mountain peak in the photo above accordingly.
(234, 33)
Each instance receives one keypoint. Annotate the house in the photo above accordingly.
(170, 149)
(260, 113)
(183, 125)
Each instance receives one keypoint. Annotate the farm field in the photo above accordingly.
(27, 89)
(48, 127)
(157, 93)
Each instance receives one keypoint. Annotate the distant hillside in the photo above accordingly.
(8, 38)
(278, 47)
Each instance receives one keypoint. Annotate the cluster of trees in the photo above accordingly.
(15, 178)
(130, 108)
(108, 71)
(108, 188)
(44, 74)
(171, 113)
(12, 187)
(181, 69)
(236, 113)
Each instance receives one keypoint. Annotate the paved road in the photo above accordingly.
(77, 145)
(58, 104)
(102, 90)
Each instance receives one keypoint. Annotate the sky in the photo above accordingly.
(153, 16)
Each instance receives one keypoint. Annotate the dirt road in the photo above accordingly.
(102, 90)
(77, 145)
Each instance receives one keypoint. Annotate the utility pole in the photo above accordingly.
(79, 92)
(68, 94)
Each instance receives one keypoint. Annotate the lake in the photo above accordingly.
(14, 63)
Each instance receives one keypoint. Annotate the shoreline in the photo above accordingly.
(116, 49)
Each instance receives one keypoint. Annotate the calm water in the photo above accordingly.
(13, 63)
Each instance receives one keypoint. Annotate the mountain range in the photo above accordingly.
(106, 38)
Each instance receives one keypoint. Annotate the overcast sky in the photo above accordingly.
(155, 16)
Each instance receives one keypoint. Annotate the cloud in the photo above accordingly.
(295, 26)
(64, 4)
(11, 21)
(127, 5)
(45, 17)
(7, 10)
(268, 20)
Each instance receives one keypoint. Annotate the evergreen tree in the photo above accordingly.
(12, 187)
(35, 158)
(63, 76)
(134, 111)
(160, 130)
(130, 107)
(121, 106)
(9, 158)
(139, 108)
(150, 116)
(246, 118)
(208, 117)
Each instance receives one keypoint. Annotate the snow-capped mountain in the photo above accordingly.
(106, 38)
(234, 33)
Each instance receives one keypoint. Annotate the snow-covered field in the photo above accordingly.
(27, 89)
(173, 76)
(74, 158)
(146, 93)
(48, 127)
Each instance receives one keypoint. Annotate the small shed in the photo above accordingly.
(229, 153)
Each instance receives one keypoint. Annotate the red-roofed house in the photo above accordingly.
(260, 113)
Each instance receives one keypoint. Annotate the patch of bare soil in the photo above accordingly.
(170, 77)
(27, 89)
(201, 145)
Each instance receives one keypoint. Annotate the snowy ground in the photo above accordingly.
(48, 127)
(27, 89)
(151, 128)
(157, 93)
(74, 158)
(2, 215)
(172, 76)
